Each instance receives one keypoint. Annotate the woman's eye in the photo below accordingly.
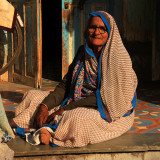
(102, 28)
(93, 27)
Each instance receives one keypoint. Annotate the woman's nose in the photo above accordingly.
(97, 31)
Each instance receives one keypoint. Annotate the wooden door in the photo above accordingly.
(28, 68)
(156, 42)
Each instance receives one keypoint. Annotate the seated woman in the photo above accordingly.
(94, 101)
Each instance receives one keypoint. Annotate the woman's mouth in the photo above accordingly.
(96, 37)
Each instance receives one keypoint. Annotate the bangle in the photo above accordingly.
(62, 109)
(44, 105)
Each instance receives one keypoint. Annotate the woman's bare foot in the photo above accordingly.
(44, 136)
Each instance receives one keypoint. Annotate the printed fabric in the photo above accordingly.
(83, 82)
(6, 133)
(111, 77)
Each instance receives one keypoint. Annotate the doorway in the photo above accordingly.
(51, 40)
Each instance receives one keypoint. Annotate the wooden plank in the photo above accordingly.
(29, 57)
(30, 81)
(155, 43)
(137, 20)
(38, 70)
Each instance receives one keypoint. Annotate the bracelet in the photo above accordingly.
(44, 105)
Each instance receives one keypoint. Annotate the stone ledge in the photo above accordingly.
(151, 155)
(124, 144)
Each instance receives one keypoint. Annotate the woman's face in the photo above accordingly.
(97, 31)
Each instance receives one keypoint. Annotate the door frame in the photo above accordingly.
(22, 77)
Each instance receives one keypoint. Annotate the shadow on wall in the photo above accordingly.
(141, 55)
(52, 40)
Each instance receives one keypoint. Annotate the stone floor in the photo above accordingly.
(127, 143)
(7, 86)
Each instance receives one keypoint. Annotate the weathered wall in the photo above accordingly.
(156, 42)
(136, 31)
(137, 20)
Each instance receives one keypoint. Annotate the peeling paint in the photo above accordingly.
(65, 40)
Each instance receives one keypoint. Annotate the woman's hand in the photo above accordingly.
(41, 116)
(52, 116)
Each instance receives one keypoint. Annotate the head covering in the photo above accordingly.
(105, 20)
(117, 80)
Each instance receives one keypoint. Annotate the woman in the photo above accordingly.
(96, 95)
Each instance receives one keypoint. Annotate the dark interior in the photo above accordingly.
(51, 40)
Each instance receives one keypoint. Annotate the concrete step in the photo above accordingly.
(131, 145)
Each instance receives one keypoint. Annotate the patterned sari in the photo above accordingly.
(87, 76)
